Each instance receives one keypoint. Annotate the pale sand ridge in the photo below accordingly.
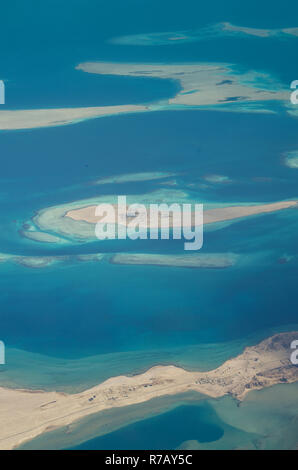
(35, 118)
(220, 214)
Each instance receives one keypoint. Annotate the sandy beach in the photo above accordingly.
(26, 414)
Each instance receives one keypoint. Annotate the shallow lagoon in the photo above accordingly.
(71, 325)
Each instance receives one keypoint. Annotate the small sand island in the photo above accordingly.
(197, 260)
(75, 221)
(41, 236)
(26, 414)
(199, 81)
(262, 33)
(37, 262)
(212, 31)
(135, 177)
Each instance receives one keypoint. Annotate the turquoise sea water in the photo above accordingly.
(139, 316)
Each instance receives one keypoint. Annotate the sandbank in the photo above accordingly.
(202, 84)
(211, 216)
(200, 260)
(35, 118)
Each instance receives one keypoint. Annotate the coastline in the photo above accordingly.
(259, 366)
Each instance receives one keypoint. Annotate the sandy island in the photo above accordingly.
(76, 220)
(26, 414)
(135, 177)
(202, 84)
(212, 31)
(221, 214)
(195, 260)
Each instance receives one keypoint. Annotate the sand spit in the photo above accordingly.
(135, 177)
(200, 260)
(44, 261)
(202, 84)
(35, 118)
(215, 31)
(26, 414)
(76, 221)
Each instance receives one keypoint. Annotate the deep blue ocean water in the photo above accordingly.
(84, 309)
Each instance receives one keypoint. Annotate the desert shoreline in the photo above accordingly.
(26, 414)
